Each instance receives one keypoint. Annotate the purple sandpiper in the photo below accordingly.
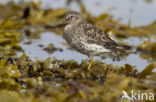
(88, 39)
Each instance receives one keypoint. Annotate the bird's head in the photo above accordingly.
(73, 17)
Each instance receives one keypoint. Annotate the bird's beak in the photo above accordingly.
(63, 23)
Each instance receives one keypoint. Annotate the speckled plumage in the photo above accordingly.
(87, 39)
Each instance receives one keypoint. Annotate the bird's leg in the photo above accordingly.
(91, 62)
(116, 57)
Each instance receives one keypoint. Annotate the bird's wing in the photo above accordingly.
(97, 36)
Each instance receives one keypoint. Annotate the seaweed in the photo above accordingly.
(147, 50)
(51, 49)
(9, 42)
(64, 81)
(147, 71)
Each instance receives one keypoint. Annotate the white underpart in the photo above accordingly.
(67, 27)
(96, 48)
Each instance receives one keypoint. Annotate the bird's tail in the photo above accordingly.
(127, 47)
(123, 47)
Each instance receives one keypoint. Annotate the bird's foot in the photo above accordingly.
(90, 64)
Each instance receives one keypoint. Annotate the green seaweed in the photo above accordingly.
(147, 71)
(64, 81)
(51, 49)
(53, 80)
(147, 50)
(9, 42)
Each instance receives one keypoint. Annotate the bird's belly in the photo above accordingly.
(95, 50)
(78, 45)
(89, 49)
(83, 47)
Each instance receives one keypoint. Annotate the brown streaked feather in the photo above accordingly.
(97, 36)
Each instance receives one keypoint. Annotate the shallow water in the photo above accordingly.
(34, 51)
(138, 12)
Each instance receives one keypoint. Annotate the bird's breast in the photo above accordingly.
(73, 32)
(73, 36)
(67, 27)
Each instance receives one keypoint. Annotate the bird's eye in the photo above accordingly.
(71, 16)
